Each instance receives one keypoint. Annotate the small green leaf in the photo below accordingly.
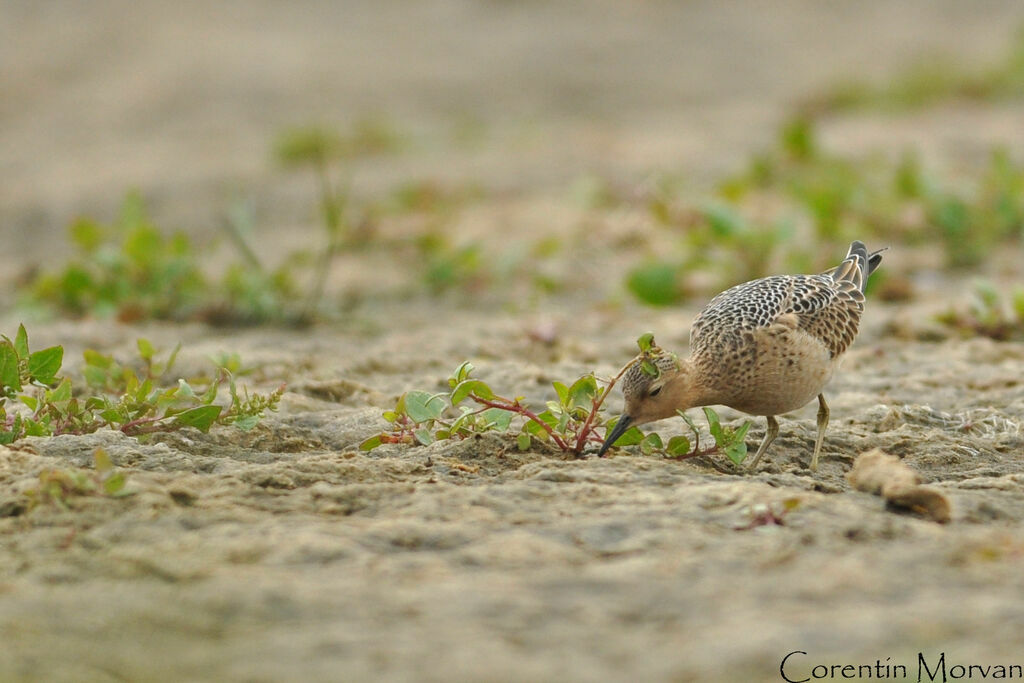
(201, 417)
(562, 391)
(44, 365)
(442, 434)
(467, 414)
(424, 436)
(548, 417)
(95, 403)
(174, 357)
(656, 283)
(86, 235)
(185, 389)
(651, 443)
(34, 428)
(146, 349)
(645, 342)
(736, 447)
(535, 429)
(246, 422)
(422, 407)
(461, 374)
(583, 390)
(630, 437)
(715, 427)
(371, 443)
(31, 401)
(94, 377)
(563, 423)
(114, 483)
(10, 378)
(102, 460)
(21, 342)
(390, 416)
(737, 452)
(649, 368)
(677, 446)
(471, 386)
(499, 419)
(523, 441)
(96, 358)
(61, 393)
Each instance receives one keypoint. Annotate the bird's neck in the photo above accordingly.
(690, 389)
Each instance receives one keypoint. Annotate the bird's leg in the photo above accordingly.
(822, 424)
(769, 436)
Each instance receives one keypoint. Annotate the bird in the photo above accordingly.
(764, 347)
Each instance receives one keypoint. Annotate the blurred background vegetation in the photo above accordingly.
(313, 164)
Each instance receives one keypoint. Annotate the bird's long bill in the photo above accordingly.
(620, 428)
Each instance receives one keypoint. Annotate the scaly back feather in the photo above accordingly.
(827, 306)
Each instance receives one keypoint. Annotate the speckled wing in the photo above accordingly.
(828, 306)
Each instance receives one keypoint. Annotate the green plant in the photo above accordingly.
(35, 401)
(132, 270)
(58, 486)
(839, 199)
(421, 417)
(726, 438)
(448, 266)
(991, 313)
(569, 423)
(317, 148)
(128, 268)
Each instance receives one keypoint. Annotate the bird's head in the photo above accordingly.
(655, 385)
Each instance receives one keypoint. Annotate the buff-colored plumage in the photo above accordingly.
(765, 347)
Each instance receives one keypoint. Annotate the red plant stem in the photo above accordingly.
(516, 407)
(695, 453)
(136, 426)
(581, 439)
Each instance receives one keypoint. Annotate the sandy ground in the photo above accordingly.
(286, 554)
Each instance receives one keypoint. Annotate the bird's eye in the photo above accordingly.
(655, 391)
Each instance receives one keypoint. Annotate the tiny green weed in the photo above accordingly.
(36, 401)
(128, 268)
(59, 487)
(991, 313)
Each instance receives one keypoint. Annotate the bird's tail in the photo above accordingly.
(858, 265)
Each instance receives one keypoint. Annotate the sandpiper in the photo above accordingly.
(764, 347)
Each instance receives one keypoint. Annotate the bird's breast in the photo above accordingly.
(775, 370)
